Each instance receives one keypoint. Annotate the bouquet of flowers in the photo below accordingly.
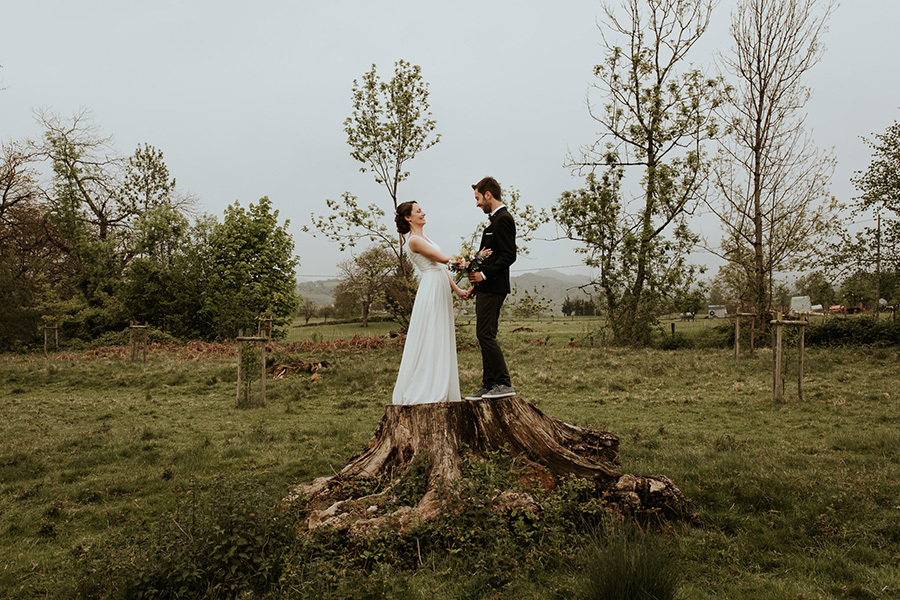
(469, 263)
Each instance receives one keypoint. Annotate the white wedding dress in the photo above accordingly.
(428, 369)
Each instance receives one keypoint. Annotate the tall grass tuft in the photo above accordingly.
(628, 565)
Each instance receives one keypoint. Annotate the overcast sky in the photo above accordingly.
(248, 99)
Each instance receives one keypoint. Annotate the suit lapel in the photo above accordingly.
(487, 241)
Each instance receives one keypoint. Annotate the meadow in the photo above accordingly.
(102, 458)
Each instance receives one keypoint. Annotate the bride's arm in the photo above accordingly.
(459, 291)
(420, 246)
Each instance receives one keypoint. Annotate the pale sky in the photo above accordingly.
(248, 99)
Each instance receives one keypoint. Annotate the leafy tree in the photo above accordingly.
(121, 222)
(146, 292)
(732, 285)
(366, 278)
(346, 304)
(655, 120)
(858, 289)
(817, 287)
(691, 300)
(252, 266)
(190, 281)
(875, 248)
(390, 124)
(146, 182)
(308, 310)
(31, 258)
(880, 182)
(164, 282)
(160, 213)
(771, 181)
(326, 311)
(578, 307)
(158, 233)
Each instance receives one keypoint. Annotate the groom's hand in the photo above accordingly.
(476, 277)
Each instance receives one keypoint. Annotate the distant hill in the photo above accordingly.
(321, 292)
(552, 285)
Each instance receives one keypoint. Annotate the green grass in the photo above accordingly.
(796, 499)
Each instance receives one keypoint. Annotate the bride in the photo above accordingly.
(428, 369)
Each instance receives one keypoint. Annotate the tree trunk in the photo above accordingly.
(439, 433)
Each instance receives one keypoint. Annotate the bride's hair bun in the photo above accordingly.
(403, 211)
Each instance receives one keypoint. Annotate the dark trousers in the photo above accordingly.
(487, 322)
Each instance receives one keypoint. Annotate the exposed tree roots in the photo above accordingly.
(431, 440)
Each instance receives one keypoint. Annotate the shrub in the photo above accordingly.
(854, 331)
(674, 342)
(225, 542)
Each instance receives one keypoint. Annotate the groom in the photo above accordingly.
(490, 286)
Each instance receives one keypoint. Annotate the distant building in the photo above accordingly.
(717, 311)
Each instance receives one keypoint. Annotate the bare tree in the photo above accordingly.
(18, 179)
(771, 182)
(87, 174)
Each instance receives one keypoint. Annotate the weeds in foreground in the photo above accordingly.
(222, 542)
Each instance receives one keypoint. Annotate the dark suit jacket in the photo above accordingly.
(500, 237)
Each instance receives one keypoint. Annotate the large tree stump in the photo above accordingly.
(442, 431)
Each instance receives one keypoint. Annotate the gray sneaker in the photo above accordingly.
(500, 391)
(479, 394)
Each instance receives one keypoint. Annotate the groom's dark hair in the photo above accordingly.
(488, 184)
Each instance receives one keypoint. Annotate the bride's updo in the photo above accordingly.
(403, 211)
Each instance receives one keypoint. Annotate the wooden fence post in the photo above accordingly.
(752, 335)
(240, 357)
(800, 367)
(241, 339)
(777, 379)
(136, 331)
(47, 330)
(738, 317)
(264, 327)
(777, 383)
(263, 374)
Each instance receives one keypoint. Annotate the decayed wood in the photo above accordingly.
(443, 431)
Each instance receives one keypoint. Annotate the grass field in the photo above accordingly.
(796, 499)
